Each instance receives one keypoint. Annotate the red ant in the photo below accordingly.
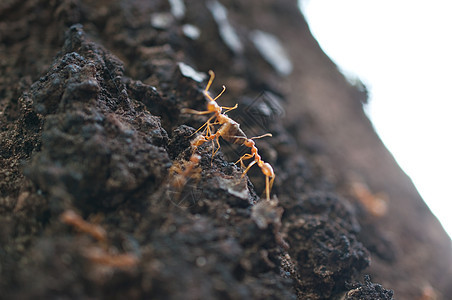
(231, 132)
(180, 173)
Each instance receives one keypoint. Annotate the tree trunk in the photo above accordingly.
(103, 194)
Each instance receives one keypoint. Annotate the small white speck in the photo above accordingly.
(201, 261)
(237, 189)
(161, 20)
(227, 32)
(272, 51)
(177, 8)
(191, 31)
(189, 72)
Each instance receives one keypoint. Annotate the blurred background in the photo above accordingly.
(402, 51)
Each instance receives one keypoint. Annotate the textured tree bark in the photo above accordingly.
(99, 197)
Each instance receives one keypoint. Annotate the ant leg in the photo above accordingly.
(218, 144)
(213, 137)
(248, 168)
(194, 112)
(244, 157)
(216, 137)
(210, 129)
(228, 109)
(272, 180)
(267, 188)
(207, 124)
(268, 185)
(213, 149)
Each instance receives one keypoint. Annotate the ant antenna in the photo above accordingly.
(206, 90)
(261, 136)
(228, 109)
(219, 95)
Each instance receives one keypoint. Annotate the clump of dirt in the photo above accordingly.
(89, 123)
(322, 222)
(88, 136)
(367, 291)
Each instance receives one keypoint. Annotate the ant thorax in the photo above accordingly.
(223, 119)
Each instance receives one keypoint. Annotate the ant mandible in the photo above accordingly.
(230, 131)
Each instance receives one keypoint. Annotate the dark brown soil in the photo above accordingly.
(90, 111)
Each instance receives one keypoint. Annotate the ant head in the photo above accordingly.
(213, 106)
(249, 143)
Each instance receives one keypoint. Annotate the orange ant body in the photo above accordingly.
(231, 132)
(70, 217)
(179, 176)
(98, 254)
(180, 173)
(103, 257)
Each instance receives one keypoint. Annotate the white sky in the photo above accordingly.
(402, 51)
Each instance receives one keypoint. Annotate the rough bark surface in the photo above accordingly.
(91, 94)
